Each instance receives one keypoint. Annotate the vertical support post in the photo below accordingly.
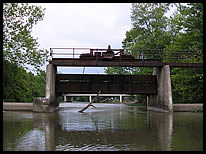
(73, 53)
(50, 83)
(163, 100)
(120, 98)
(65, 98)
(90, 98)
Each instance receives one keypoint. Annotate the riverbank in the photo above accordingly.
(11, 106)
(187, 107)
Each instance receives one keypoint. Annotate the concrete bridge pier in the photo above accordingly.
(49, 102)
(162, 101)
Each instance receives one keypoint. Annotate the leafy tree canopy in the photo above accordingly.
(20, 86)
(19, 46)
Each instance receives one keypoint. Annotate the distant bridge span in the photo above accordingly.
(90, 96)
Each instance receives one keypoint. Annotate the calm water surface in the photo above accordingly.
(109, 127)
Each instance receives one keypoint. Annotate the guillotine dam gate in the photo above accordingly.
(157, 86)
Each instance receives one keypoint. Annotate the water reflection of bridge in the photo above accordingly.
(131, 127)
(155, 134)
(146, 130)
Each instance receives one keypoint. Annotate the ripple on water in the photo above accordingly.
(87, 147)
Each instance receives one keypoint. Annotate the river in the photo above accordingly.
(108, 127)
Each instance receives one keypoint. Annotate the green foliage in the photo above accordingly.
(19, 46)
(20, 86)
(187, 85)
(81, 98)
(116, 70)
(150, 25)
(189, 20)
(128, 70)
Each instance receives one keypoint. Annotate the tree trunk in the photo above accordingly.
(90, 104)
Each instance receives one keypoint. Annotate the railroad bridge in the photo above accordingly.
(156, 86)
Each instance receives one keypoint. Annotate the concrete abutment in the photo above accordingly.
(48, 103)
(162, 101)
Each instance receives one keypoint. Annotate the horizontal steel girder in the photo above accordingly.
(118, 63)
(108, 84)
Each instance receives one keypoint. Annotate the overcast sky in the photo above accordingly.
(90, 25)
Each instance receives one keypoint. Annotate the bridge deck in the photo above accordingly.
(116, 63)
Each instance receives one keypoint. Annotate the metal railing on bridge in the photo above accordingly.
(163, 55)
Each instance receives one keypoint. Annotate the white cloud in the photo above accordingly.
(85, 22)
(90, 25)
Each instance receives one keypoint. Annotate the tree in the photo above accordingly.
(20, 86)
(187, 84)
(19, 46)
(150, 25)
(16, 83)
(9, 71)
(39, 83)
(117, 70)
(189, 23)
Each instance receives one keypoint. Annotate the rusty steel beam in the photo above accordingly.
(184, 64)
(114, 84)
(118, 63)
(107, 88)
(105, 77)
(102, 63)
